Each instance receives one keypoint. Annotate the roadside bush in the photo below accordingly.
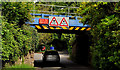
(18, 39)
(17, 42)
(106, 49)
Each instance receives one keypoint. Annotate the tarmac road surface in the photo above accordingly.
(65, 63)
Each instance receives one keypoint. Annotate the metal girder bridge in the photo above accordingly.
(43, 24)
(62, 23)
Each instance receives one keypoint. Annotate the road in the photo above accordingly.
(65, 63)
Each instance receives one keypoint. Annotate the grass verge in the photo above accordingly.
(19, 67)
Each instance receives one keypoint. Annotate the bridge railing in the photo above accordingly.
(52, 11)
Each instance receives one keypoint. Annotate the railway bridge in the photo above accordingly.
(47, 23)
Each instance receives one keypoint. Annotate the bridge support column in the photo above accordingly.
(80, 49)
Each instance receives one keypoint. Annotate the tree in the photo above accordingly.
(104, 18)
(17, 12)
(18, 39)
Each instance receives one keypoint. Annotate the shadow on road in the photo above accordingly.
(39, 63)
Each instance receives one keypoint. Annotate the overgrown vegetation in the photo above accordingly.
(104, 18)
(17, 12)
(17, 39)
(17, 42)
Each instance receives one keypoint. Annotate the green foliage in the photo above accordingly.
(0, 36)
(69, 38)
(17, 41)
(19, 67)
(17, 11)
(9, 45)
(22, 66)
(45, 38)
(104, 18)
(32, 37)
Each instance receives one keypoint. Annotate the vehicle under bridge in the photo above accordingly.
(47, 23)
